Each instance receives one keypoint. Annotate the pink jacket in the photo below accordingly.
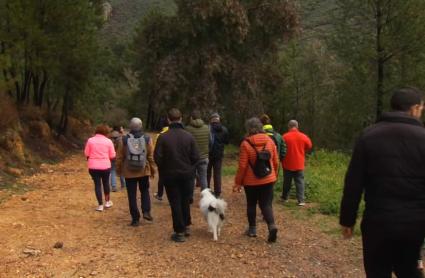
(99, 151)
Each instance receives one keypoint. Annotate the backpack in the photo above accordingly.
(136, 152)
(262, 167)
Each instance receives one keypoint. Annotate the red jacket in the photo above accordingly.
(245, 176)
(297, 143)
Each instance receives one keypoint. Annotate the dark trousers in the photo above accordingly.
(160, 190)
(179, 192)
(143, 184)
(263, 195)
(298, 177)
(391, 247)
(101, 178)
(214, 169)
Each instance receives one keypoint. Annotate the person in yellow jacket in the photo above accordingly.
(160, 191)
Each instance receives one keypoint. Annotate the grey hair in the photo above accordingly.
(254, 126)
(136, 124)
(292, 124)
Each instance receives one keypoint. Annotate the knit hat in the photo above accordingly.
(215, 117)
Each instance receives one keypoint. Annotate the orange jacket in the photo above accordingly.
(245, 176)
(297, 143)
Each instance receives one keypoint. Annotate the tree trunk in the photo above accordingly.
(63, 123)
(380, 60)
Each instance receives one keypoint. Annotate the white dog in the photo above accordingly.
(213, 210)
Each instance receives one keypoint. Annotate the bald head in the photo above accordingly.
(292, 124)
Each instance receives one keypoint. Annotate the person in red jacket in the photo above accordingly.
(257, 190)
(297, 144)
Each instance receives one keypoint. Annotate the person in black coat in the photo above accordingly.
(176, 156)
(388, 165)
(219, 137)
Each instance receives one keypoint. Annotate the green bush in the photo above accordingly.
(324, 177)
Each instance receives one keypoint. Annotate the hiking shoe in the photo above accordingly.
(251, 232)
(283, 199)
(420, 265)
(187, 231)
(99, 208)
(134, 223)
(114, 189)
(178, 237)
(156, 196)
(147, 216)
(191, 200)
(108, 204)
(272, 235)
(301, 204)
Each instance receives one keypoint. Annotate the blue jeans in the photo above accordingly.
(113, 176)
(201, 173)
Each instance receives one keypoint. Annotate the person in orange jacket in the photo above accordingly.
(258, 189)
(297, 144)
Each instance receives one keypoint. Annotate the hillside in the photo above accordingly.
(126, 15)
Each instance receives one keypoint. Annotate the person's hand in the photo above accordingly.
(347, 232)
(237, 188)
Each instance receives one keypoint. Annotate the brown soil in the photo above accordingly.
(61, 209)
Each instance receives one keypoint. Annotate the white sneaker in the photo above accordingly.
(108, 204)
(99, 208)
(301, 204)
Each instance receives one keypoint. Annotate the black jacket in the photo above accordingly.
(176, 153)
(388, 164)
(219, 138)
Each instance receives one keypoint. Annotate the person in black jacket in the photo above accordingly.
(219, 137)
(388, 165)
(176, 156)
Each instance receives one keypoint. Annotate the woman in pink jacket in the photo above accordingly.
(99, 152)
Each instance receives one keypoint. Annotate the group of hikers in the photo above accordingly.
(191, 155)
(387, 166)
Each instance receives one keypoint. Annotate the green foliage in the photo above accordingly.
(51, 50)
(325, 174)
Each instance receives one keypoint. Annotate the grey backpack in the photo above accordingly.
(136, 152)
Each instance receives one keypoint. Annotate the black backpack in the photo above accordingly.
(262, 167)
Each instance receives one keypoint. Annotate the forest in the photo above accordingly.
(329, 64)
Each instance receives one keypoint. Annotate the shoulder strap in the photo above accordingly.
(252, 145)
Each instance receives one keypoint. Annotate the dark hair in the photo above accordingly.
(102, 129)
(404, 98)
(116, 128)
(195, 115)
(174, 114)
(265, 119)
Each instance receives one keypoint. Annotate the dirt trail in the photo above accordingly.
(61, 208)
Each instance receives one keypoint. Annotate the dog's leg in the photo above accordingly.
(215, 233)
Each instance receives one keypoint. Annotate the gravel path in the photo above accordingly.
(61, 209)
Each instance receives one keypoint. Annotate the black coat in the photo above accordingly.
(388, 164)
(219, 138)
(176, 154)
